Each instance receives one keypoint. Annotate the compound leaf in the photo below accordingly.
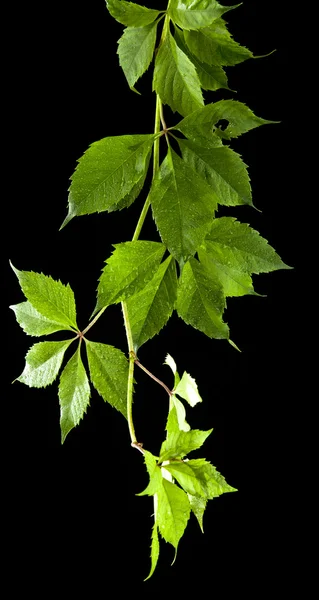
(222, 169)
(108, 372)
(183, 206)
(131, 14)
(175, 78)
(127, 271)
(150, 309)
(201, 300)
(214, 45)
(194, 14)
(43, 362)
(74, 394)
(136, 49)
(50, 298)
(32, 322)
(108, 171)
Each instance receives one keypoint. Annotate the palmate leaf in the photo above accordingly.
(107, 173)
(211, 77)
(43, 362)
(183, 206)
(50, 298)
(234, 251)
(136, 49)
(222, 169)
(194, 14)
(108, 373)
(127, 271)
(180, 443)
(32, 322)
(214, 45)
(150, 309)
(74, 394)
(201, 300)
(131, 14)
(203, 123)
(175, 78)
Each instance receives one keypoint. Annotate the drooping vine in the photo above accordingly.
(198, 261)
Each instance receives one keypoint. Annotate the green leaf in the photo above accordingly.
(154, 551)
(130, 14)
(107, 173)
(74, 394)
(222, 169)
(109, 373)
(175, 78)
(194, 14)
(212, 482)
(201, 301)
(180, 443)
(234, 251)
(202, 122)
(155, 475)
(32, 322)
(127, 271)
(183, 206)
(187, 389)
(173, 512)
(50, 298)
(214, 45)
(43, 362)
(136, 49)
(198, 505)
(150, 309)
(199, 478)
(211, 77)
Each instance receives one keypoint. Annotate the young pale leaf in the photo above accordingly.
(194, 14)
(211, 77)
(43, 362)
(222, 169)
(180, 443)
(243, 245)
(170, 362)
(155, 549)
(183, 206)
(198, 505)
(74, 394)
(108, 372)
(212, 482)
(150, 309)
(214, 45)
(107, 173)
(203, 123)
(173, 512)
(33, 323)
(201, 301)
(175, 78)
(187, 389)
(181, 414)
(136, 49)
(131, 14)
(50, 298)
(127, 271)
(155, 475)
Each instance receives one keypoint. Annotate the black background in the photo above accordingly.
(75, 521)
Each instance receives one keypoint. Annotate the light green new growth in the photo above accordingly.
(197, 261)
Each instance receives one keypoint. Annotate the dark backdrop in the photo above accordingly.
(76, 522)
